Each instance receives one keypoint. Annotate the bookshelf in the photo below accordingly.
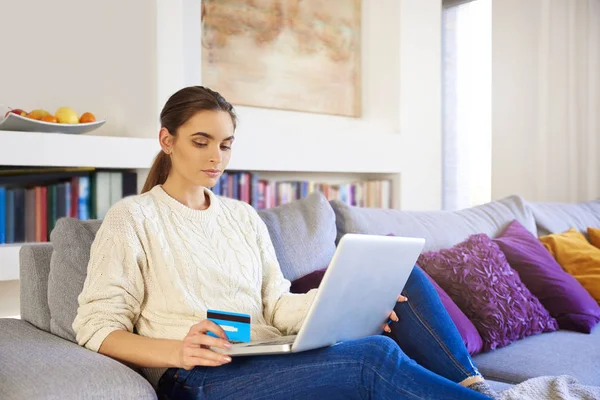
(306, 157)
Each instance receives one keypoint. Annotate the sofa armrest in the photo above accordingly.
(35, 364)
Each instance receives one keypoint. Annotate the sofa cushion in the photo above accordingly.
(72, 240)
(560, 293)
(308, 282)
(594, 236)
(559, 217)
(34, 268)
(441, 229)
(303, 233)
(477, 277)
(549, 354)
(469, 334)
(60, 369)
(576, 256)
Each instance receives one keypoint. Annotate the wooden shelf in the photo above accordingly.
(337, 153)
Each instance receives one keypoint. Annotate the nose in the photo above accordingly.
(216, 155)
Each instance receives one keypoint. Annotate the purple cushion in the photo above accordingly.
(467, 330)
(465, 327)
(476, 275)
(308, 282)
(562, 295)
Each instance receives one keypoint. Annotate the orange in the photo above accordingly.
(33, 116)
(49, 118)
(87, 117)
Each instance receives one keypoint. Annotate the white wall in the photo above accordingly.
(97, 56)
(546, 99)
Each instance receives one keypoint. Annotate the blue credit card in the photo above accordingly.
(235, 325)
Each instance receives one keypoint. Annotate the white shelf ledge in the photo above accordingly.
(64, 150)
(9, 261)
(336, 153)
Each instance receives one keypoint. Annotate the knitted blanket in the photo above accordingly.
(561, 387)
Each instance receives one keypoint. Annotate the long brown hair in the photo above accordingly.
(180, 107)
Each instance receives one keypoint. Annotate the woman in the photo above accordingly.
(162, 258)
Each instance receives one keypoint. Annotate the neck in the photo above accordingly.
(192, 196)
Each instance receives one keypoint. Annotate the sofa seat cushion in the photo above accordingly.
(441, 229)
(549, 354)
(38, 365)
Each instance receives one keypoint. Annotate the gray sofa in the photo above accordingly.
(39, 358)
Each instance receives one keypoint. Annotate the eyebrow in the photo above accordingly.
(209, 136)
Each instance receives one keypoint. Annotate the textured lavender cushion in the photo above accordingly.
(476, 275)
(467, 330)
(560, 293)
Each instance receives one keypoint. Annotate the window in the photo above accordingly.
(467, 103)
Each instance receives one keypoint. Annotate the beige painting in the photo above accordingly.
(301, 55)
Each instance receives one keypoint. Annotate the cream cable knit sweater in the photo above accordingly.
(156, 266)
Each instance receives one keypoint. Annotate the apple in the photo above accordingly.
(17, 111)
(66, 115)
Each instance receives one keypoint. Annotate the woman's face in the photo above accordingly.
(202, 148)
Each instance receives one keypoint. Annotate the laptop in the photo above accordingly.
(355, 298)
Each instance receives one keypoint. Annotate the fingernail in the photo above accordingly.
(227, 345)
(227, 359)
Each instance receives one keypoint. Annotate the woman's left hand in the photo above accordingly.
(393, 316)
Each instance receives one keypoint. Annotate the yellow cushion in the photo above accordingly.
(594, 235)
(577, 257)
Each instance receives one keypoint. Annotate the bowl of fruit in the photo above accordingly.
(64, 120)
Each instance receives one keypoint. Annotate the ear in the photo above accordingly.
(166, 140)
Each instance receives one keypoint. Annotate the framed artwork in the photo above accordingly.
(301, 55)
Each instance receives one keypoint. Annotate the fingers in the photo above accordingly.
(208, 326)
(201, 339)
(387, 328)
(394, 317)
(402, 299)
(208, 357)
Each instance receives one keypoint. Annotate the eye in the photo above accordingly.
(226, 148)
(199, 144)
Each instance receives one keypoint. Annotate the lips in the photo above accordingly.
(212, 172)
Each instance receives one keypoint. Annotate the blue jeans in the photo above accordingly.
(432, 361)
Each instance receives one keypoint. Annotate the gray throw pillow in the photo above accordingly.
(303, 234)
(72, 240)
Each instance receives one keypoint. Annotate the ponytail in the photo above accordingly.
(158, 172)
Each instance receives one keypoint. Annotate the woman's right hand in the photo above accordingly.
(195, 347)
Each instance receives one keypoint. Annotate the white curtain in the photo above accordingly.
(546, 99)
(568, 151)
(467, 127)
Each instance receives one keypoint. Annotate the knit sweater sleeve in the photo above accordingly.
(284, 310)
(114, 288)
